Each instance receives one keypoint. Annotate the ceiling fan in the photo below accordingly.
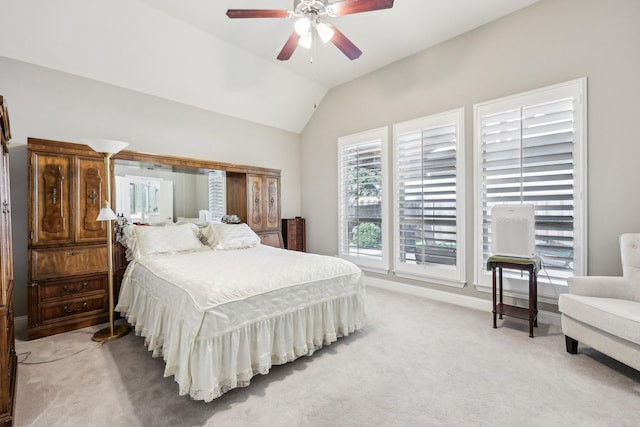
(311, 16)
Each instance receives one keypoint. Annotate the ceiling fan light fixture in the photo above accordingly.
(305, 40)
(324, 31)
(302, 26)
(309, 15)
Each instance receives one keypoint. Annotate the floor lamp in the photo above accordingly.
(108, 148)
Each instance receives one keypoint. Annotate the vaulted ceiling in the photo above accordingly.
(190, 52)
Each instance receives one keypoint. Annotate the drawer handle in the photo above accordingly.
(77, 310)
(76, 252)
(78, 289)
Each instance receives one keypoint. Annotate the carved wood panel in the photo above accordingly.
(50, 177)
(272, 203)
(54, 219)
(254, 204)
(90, 195)
(93, 184)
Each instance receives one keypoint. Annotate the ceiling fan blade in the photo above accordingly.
(257, 13)
(289, 47)
(348, 7)
(344, 44)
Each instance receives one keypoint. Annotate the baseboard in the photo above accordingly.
(451, 298)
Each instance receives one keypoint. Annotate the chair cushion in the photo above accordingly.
(616, 316)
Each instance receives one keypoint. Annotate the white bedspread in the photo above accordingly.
(220, 317)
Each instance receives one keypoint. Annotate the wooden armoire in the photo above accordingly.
(68, 284)
(8, 359)
(255, 198)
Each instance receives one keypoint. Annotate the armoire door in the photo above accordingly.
(90, 181)
(272, 219)
(255, 202)
(50, 182)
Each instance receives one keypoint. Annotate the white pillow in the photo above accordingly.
(157, 240)
(230, 236)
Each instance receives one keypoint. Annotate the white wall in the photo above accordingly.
(549, 42)
(133, 45)
(53, 105)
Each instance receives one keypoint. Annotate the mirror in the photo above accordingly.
(149, 193)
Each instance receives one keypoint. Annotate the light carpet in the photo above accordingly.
(417, 362)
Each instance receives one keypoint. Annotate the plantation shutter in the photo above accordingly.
(429, 198)
(217, 195)
(427, 195)
(528, 157)
(361, 199)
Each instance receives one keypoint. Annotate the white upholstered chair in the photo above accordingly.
(604, 312)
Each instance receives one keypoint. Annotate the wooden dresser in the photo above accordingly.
(67, 269)
(8, 359)
(294, 234)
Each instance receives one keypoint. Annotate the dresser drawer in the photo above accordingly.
(51, 263)
(72, 288)
(73, 308)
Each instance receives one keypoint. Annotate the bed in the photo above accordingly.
(220, 307)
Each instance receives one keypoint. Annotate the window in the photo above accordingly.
(429, 198)
(362, 199)
(531, 148)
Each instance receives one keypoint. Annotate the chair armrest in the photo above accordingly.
(601, 286)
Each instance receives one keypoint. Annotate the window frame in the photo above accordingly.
(454, 276)
(367, 264)
(518, 287)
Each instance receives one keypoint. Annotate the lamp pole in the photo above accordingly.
(108, 148)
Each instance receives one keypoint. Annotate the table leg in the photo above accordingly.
(500, 287)
(531, 301)
(493, 273)
(535, 298)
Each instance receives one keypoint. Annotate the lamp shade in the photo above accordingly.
(324, 31)
(106, 214)
(305, 41)
(105, 145)
(302, 26)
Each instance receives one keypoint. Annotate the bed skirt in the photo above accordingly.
(207, 361)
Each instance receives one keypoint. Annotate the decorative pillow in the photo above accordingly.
(177, 238)
(230, 236)
(208, 235)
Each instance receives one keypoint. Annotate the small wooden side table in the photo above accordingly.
(532, 265)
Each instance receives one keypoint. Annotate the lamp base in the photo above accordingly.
(119, 331)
